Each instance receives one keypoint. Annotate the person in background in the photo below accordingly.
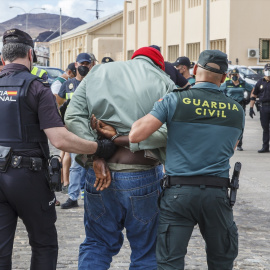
(106, 60)
(65, 157)
(238, 90)
(175, 76)
(76, 172)
(262, 90)
(70, 73)
(183, 64)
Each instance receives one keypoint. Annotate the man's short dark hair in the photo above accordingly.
(12, 51)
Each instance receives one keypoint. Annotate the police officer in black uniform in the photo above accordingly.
(29, 116)
(262, 90)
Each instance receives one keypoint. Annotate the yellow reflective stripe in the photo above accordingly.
(69, 95)
(34, 70)
(38, 72)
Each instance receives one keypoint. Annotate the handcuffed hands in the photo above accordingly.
(104, 130)
(103, 174)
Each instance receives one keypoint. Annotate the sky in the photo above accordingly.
(73, 8)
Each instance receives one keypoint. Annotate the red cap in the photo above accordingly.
(153, 54)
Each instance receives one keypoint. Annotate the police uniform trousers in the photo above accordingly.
(183, 207)
(26, 194)
(243, 104)
(265, 123)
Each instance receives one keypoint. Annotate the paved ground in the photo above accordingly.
(251, 215)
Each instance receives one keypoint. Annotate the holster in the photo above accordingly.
(5, 158)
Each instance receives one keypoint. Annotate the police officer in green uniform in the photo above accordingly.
(197, 166)
(238, 90)
(262, 90)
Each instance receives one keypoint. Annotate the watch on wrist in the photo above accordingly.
(115, 136)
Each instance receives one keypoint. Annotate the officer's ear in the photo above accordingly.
(30, 55)
(223, 78)
(2, 60)
(195, 69)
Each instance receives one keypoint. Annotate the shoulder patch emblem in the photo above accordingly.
(261, 87)
(160, 99)
(71, 86)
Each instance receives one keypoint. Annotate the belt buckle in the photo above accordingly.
(35, 164)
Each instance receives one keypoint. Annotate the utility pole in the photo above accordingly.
(60, 38)
(96, 10)
(207, 36)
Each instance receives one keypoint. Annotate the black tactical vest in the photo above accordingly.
(20, 128)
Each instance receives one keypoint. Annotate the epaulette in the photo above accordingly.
(182, 89)
(45, 83)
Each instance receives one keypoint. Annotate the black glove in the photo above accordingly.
(106, 148)
(251, 112)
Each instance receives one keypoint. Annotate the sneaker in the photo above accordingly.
(69, 204)
(82, 194)
(239, 148)
(65, 189)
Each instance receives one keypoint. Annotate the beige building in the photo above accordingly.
(237, 27)
(103, 37)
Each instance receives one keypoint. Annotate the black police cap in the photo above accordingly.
(183, 60)
(18, 36)
(267, 67)
(106, 60)
(72, 67)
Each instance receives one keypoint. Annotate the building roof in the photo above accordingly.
(89, 25)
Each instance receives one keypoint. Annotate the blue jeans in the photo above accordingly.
(130, 202)
(76, 178)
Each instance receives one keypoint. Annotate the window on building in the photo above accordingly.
(213, 0)
(174, 6)
(143, 14)
(173, 52)
(194, 3)
(129, 54)
(157, 9)
(193, 51)
(218, 44)
(264, 49)
(131, 17)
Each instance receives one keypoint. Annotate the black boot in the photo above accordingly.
(263, 150)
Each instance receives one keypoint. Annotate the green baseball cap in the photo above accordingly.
(216, 57)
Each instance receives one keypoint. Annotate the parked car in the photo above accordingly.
(258, 69)
(52, 72)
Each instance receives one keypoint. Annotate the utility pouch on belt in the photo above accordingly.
(5, 158)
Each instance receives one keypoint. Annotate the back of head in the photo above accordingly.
(16, 44)
(212, 66)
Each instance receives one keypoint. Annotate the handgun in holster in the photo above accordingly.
(234, 184)
(54, 169)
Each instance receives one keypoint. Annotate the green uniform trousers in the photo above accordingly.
(181, 208)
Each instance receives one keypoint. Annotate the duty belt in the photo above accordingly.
(267, 103)
(213, 181)
(32, 163)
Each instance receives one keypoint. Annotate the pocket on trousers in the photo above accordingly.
(232, 250)
(94, 205)
(145, 208)
(162, 250)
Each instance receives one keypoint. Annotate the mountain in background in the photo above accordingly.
(40, 23)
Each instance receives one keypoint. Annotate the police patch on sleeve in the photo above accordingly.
(71, 86)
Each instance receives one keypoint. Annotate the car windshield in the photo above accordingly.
(54, 73)
(259, 71)
(247, 71)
